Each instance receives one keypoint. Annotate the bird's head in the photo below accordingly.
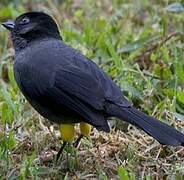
(32, 26)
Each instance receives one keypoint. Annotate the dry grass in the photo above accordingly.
(140, 154)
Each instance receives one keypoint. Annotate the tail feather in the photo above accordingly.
(162, 132)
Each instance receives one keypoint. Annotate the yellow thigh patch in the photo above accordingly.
(85, 129)
(67, 132)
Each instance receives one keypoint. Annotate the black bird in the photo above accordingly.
(66, 87)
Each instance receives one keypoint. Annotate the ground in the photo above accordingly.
(140, 45)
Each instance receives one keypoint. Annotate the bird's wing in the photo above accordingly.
(97, 85)
(80, 84)
(68, 86)
(81, 92)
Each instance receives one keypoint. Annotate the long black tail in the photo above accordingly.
(162, 132)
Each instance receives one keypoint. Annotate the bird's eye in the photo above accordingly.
(25, 20)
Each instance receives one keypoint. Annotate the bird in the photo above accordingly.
(68, 88)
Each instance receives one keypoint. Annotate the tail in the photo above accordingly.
(162, 132)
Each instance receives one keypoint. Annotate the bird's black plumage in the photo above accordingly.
(66, 87)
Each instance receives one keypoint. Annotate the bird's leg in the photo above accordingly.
(60, 151)
(76, 143)
(67, 135)
(85, 130)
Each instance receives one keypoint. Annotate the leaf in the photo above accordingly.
(137, 44)
(169, 92)
(175, 7)
(66, 177)
(180, 97)
(7, 97)
(6, 12)
(87, 142)
(12, 79)
(79, 13)
(11, 141)
(114, 55)
(129, 88)
(131, 47)
(26, 166)
(123, 174)
(100, 24)
(179, 70)
(167, 75)
(7, 114)
(38, 170)
(178, 116)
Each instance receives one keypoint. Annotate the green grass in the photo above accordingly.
(140, 45)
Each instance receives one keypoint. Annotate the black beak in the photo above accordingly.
(9, 25)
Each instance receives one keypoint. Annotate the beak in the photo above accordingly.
(9, 25)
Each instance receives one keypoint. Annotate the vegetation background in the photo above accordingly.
(140, 45)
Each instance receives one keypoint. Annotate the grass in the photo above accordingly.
(140, 45)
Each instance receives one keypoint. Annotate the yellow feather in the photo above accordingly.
(85, 129)
(67, 132)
